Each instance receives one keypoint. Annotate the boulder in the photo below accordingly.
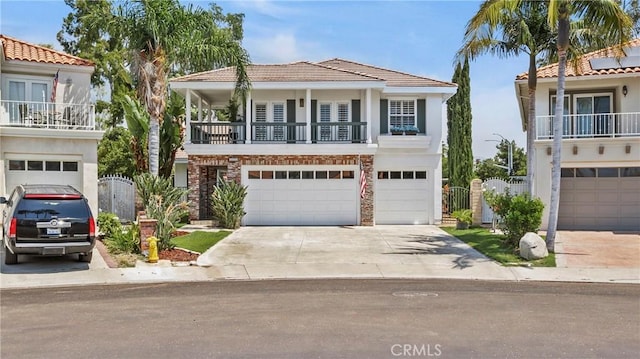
(532, 246)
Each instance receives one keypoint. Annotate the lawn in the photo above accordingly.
(490, 244)
(199, 241)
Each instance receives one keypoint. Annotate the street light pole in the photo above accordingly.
(509, 154)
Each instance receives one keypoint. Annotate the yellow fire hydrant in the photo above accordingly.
(153, 249)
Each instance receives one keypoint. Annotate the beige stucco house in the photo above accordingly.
(48, 132)
(308, 138)
(600, 186)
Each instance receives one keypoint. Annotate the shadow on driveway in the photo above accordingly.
(28, 264)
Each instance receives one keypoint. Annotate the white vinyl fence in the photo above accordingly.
(499, 186)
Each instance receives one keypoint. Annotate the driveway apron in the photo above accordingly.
(598, 249)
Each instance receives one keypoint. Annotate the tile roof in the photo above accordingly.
(15, 49)
(305, 71)
(302, 71)
(392, 77)
(584, 65)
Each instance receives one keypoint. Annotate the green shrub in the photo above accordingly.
(463, 215)
(227, 203)
(163, 202)
(125, 241)
(518, 214)
(108, 224)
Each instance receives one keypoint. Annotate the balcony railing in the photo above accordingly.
(590, 126)
(217, 132)
(47, 115)
(278, 132)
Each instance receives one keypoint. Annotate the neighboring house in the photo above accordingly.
(47, 125)
(306, 133)
(600, 186)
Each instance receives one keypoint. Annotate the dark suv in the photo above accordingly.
(48, 220)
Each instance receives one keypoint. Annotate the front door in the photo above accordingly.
(208, 180)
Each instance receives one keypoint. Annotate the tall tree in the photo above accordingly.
(610, 18)
(460, 155)
(165, 35)
(503, 29)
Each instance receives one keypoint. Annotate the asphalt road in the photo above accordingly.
(324, 319)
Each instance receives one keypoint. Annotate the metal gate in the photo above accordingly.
(116, 194)
(454, 198)
(499, 186)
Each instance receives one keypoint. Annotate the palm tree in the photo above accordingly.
(508, 28)
(609, 18)
(163, 37)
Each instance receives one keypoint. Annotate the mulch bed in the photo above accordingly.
(174, 255)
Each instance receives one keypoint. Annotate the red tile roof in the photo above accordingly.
(584, 65)
(15, 49)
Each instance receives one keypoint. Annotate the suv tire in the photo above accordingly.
(9, 258)
(85, 258)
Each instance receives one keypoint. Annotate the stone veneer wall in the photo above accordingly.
(234, 165)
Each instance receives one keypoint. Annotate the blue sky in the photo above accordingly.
(419, 37)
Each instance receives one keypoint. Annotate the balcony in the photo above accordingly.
(47, 115)
(600, 125)
(278, 132)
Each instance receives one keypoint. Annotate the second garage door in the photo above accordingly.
(401, 197)
(297, 195)
(600, 199)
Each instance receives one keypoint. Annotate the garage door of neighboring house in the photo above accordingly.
(46, 170)
(301, 195)
(402, 197)
(600, 199)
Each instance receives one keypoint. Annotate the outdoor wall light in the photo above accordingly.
(601, 149)
(625, 90)
(627, 149)
(575, 149)
(548, 151)
(301, 102)
(69, 81)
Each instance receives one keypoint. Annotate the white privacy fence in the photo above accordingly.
(499, 186)
(117, 194)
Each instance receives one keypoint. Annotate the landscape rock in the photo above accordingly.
(532, 246)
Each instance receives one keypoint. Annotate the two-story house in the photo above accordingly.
(600, 177)
(329, 143)
(47, 125)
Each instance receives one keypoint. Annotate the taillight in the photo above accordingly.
(92, 227)
(13, 227)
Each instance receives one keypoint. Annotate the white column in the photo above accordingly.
(307, 115)
(247, 118)
(368, 115)
(188, 117)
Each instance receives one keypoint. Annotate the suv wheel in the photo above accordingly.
(86, 258)
(9, 258)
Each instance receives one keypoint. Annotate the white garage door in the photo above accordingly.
(293, 195)
(600, 199)
(401, 197)
(49, 171)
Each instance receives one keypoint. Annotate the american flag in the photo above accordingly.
(55, 87)
(363, 181)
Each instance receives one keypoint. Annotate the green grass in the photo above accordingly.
(199, 241)
(491, 245)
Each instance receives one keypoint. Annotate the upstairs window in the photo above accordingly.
(402, 113)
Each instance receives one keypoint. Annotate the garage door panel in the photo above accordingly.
(599, 203)
(300, 201)
(402, 201)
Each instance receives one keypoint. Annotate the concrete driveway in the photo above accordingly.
(597, 249)
(380, 251)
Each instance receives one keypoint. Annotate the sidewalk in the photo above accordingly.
(257, 253)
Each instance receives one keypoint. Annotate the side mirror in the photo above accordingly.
(3, 200)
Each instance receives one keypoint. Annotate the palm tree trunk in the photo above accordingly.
(532, 83)
(154, 146)
(554, 203)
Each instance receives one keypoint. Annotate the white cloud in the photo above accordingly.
(282, 47)
(267, 8)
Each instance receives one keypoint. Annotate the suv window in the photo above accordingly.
(51, 208)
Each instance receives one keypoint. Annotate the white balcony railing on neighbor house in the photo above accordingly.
(47, 115)
(593, 125)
